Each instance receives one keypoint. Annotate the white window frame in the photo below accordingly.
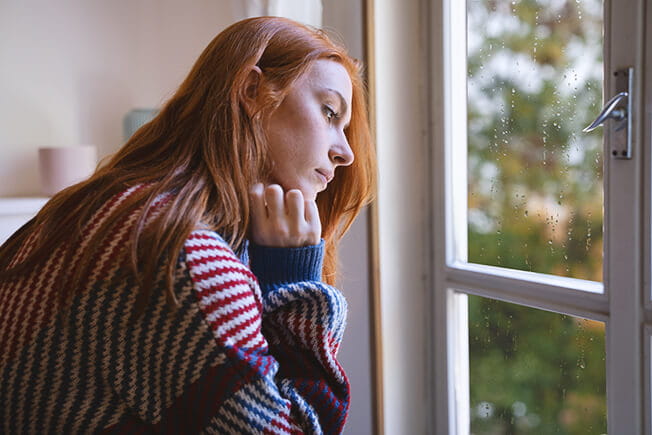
(626, 238)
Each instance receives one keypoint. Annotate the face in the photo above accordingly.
(306, 132)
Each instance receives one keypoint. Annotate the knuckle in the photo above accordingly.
(273, 189)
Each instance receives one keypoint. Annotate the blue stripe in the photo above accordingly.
(313, 318)
(84, 369)
(58, 340)
(160, 381)
(330, 410)
(122, 309)
(250, 408)
(278, 297)
(269, 390)
(39, 408)
(104, 322)
(67, 327)
(113, 404)
(186, 358)
(27, 369)
(300, 401)
(145, 355)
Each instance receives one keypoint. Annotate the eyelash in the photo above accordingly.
(331, 114)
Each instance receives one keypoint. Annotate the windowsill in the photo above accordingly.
(21, 206)
(15, 212)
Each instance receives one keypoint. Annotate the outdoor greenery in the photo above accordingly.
(535, 204)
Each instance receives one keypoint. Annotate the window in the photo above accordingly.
(538, 292)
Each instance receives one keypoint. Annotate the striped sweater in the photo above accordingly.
(251, 349)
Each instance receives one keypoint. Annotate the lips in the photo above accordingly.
(326, 174)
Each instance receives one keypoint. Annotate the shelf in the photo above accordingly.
(14, 212)
(21, 206)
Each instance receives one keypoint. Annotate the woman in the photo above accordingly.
(179, 289)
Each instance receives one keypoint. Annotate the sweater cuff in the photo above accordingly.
(275, 266)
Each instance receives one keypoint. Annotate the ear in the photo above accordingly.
(252, 85)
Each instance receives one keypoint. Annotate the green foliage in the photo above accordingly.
(535, 203)
(540, 372)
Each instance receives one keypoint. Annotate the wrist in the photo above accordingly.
(274, 266)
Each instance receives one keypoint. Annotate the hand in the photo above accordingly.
(284, 220)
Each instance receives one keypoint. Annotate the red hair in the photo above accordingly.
(208, 149)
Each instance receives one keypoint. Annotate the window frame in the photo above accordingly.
(627, 234)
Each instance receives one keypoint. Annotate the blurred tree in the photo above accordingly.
(535, 203)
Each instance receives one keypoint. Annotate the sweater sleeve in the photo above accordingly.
(280, 337)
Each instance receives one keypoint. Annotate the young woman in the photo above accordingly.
(186, 286)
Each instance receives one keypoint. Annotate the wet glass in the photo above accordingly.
(535, 372)
(534, 179)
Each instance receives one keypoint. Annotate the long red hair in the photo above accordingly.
(208, 147)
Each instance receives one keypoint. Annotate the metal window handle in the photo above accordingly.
(619, 109)
(610, 110)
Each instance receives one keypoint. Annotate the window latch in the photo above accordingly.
(618, 109)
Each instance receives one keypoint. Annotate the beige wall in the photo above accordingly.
(345, 18)
(71, 69)
(402, 121)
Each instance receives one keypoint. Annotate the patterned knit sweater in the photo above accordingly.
(250, 350)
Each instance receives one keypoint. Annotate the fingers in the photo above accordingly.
(283, 219)
(311, 212)
(257, 199)
(313, 222)
(274, 201)
(294, 206)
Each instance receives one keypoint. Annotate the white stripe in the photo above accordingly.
(257, 342)
(227, 308)
(203, 250)
(244, 396)
(221, 280)
(235, 291)
(242, 333)
(233, 419)
(259, 390)
(220, 312)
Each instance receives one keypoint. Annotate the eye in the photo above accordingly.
(330, 114)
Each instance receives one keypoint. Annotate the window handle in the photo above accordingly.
(610, 110)
(619, 109)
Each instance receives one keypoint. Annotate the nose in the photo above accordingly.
(341, 153)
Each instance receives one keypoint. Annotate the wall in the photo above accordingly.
(71, 69)
(344, 19)
(404, 233)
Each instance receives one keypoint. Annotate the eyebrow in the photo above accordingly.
(343, 106)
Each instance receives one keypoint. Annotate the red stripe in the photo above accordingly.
(26, 248)
(197, 235)
(242, 326)
(281, 422)
(116, 250)
(9, 308)
(214, 305)
(35, 295)
(237, 266)
(211, 273)
(229, 317)
(256, 332)
(41, 302)
(216, 257)
(96, 220)
(215, 246)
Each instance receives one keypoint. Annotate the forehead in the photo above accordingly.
(329, 74)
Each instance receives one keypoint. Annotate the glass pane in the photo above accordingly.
(534, 372)
(534, 179)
